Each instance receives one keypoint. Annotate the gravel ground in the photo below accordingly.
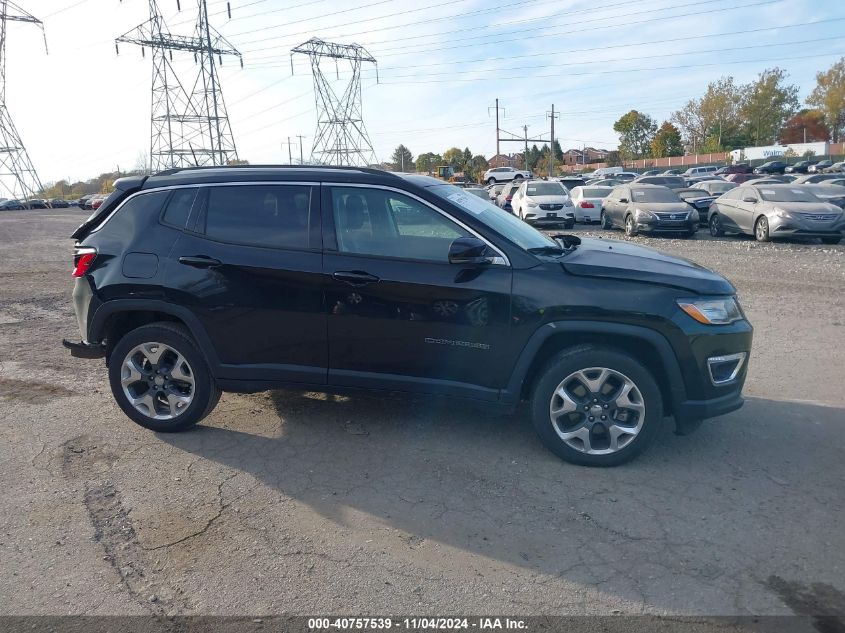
(288, 502)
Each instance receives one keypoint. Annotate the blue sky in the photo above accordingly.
(82, 109)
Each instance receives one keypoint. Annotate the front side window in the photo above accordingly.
(275, 216)
(389, 224)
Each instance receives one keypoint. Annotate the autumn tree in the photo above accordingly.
(808, 126)
(636, 131)
(712, 122)
(829, 97)
(454, 156)
(667, 141)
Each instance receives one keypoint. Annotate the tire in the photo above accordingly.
(630, 227)
(715, 225)
(137, 348)
(831, 240)
(644, 410)
(761, 229)
(491, 181)
(605, 221)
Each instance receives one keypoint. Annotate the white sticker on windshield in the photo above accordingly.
(639, 193)
(767, 192)
(471, 203)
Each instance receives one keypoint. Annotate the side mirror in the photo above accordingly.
(623, 200)
(469, 250)
(749, 199)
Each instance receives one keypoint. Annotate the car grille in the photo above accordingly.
(551, 207)
(819, 217)
(672, 217)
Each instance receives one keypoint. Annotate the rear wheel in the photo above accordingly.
(605, 221)
(491, 181)
(630, 227)
(715, 224)
(596, 406)
(160, 379)
(831, 240)
(761, 229)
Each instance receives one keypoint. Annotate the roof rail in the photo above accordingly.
(366, 170)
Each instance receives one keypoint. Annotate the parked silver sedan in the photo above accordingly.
(770, 211)
(588, 202)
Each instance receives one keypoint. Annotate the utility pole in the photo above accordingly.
(553, 115)
(290, 156)
(497, 108)
(301, 155)
(18, 178)
(520, 139)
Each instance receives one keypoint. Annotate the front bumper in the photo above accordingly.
(668, 226)
(791, 227)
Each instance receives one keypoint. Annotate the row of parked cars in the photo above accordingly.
(89, 202)
(731, 199)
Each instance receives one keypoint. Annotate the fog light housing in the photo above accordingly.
(725, 369)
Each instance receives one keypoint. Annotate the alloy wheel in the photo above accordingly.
(597, 411)
(157, 381)
(761, 231)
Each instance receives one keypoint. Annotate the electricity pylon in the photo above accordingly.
(341, 137)
(18, 178)
(189, 124)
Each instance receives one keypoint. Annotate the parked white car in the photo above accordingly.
(506, 174)
(587, 201)
(543, 202)
(705, 170)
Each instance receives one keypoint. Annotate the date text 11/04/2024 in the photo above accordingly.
(481, 623)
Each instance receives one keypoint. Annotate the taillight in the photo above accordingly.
(82, 260)
(508, 198)
(586, 205)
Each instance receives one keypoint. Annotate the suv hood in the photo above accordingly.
(619, 260)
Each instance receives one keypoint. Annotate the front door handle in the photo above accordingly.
(200, 261)
(355, 277)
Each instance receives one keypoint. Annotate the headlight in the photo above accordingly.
(643, 214)
(782, 214)
(717, 311)
(532, 204)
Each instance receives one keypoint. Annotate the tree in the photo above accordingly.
(402, 159)
(237, 161)
(712, 123)
(479, 165)
(767, 104)
(636, 130)
(667, 141)
(808, 126)
(829, 97)
(613, 159)
(454, 156)
(427, 162)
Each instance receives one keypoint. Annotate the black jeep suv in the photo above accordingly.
(198, 280)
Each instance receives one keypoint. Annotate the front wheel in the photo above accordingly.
(715, 224)
(761, 229)
(596, 406)
(630, 227)
(491, 181)
(160, 379)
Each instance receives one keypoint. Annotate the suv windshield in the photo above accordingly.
(497, 219)
(544, 189)
(787, 194)
(658, 194)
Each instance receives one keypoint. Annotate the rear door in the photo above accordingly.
(250, 269)
(400, 316)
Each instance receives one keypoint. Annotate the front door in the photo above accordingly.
(400, 316)
(250, 269)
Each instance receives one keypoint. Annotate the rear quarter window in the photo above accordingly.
(134, 213)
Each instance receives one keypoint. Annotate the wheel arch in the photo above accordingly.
(647, 346)
(114, 319)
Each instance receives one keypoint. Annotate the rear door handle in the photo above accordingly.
(355, 277)
(200, 261)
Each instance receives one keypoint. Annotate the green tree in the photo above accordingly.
(829, 97)
(667, 141)
(427, 162)
(454, 157)
(401, 159)
(767, 104)
(636, 130)
(478, 165)
(713, 122)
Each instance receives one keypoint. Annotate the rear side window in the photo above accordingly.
(135, 213)
(179, 207)
(276, 216)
